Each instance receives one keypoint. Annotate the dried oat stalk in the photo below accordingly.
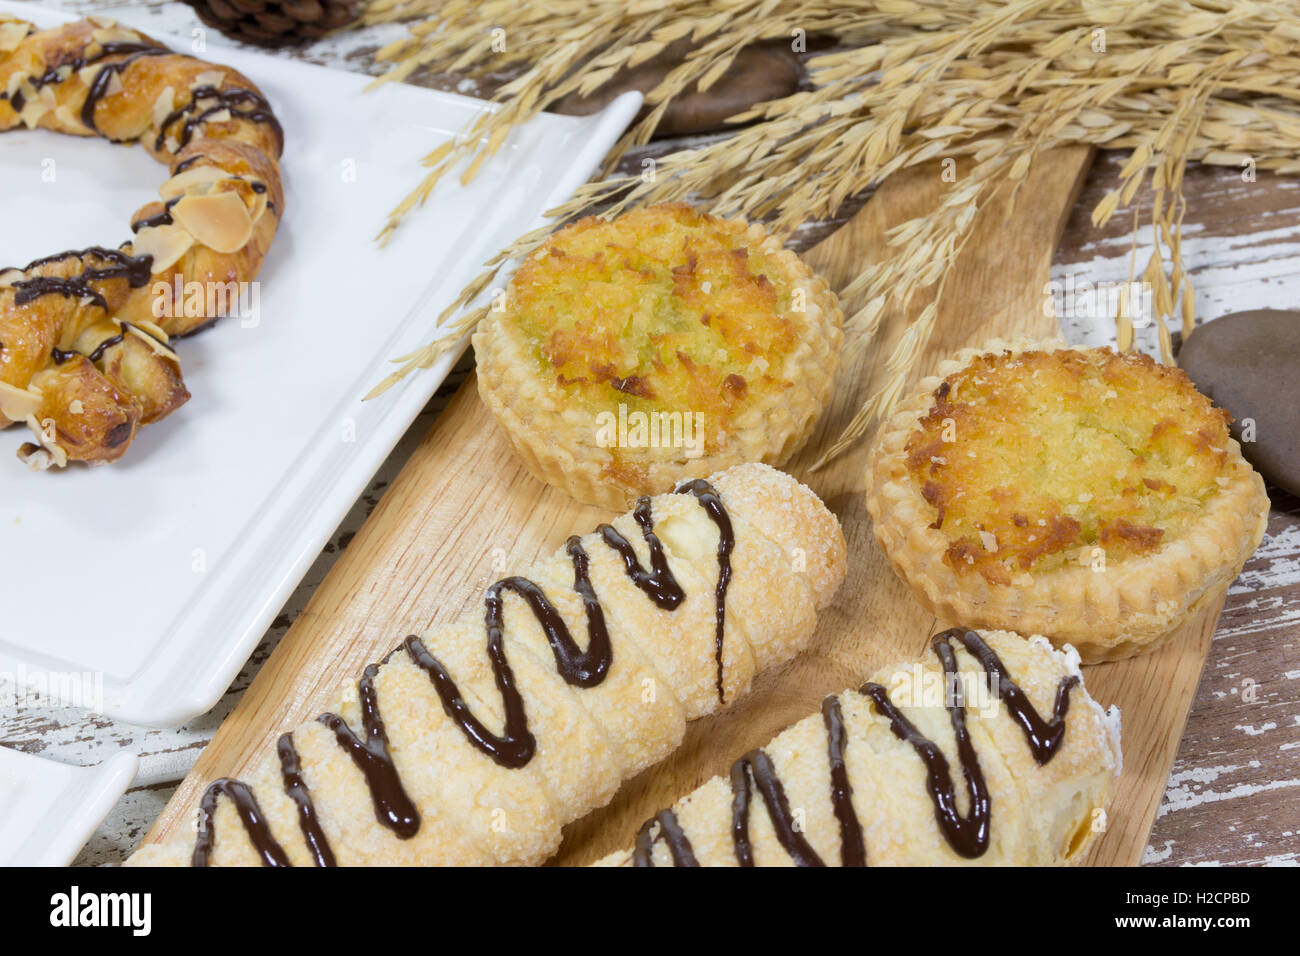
(912, 81)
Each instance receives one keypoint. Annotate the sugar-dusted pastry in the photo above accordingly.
(1092, 497)
(476, 742)
(85, 358)
(629, 353)
(989, 751)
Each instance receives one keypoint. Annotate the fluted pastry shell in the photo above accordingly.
(555, 423)
(1108, 611)
(788, 558)
(1044, 814)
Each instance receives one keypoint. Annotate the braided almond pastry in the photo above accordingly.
(466, 754)
(914, 770)
(84, 353)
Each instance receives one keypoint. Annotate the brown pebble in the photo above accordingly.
(761, 72)
(1249, 363)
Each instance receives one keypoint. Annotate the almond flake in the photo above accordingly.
(182, 183)
(218, 220)
(163, 105)
(165, 243)
(12, 34)
(17, 403)
(209, 78)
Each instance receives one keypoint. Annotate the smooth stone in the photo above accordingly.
(765, 71)
(1249, 363)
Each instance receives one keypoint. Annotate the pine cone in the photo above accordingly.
(274, 23)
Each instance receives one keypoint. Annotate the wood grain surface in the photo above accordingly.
(463, 510)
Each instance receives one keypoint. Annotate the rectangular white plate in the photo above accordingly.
(156, 576)
(49, 810)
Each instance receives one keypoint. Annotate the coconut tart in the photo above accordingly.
(627, 354)
(1090, 496)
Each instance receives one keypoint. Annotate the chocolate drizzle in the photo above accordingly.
(130, 49)
(163, 218)
(99, 85)
(393, 808)
(195, 115)
(135, 269)
(712, 505)
(250, 814)
(967, 834)
(853, 848)
(291, 774)
(670, 831)
(755, 771)
(516, 745)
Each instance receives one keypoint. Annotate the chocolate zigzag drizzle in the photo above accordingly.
(134, 269)
(259, 111)
(99, 85)
(515, 746)
(967, 834)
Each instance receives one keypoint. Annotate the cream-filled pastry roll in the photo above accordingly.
(476, 742)
(987, 751)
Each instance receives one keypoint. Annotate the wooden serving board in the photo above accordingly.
(463, 511)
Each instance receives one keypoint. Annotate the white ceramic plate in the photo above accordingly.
(146, 583)
(49, 810)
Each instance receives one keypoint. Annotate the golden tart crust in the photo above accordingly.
(629, 353)
(1092, 497)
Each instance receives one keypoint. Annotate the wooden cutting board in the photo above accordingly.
(463, 512)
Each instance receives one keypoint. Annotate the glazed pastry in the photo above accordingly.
(476, 742)
(1091, 497)
(988, 752)
(626, 354)
(85, 358)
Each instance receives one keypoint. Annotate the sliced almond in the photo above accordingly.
(16, 81)
(54, 454)
(87, 74)
(107, 31)
(181, 183)
(32, 112)
(9, 276)
(218, 220)
(154, 331)
(12, 34)
(220, 116)
(35, 457)
(115, 84)
(47, 96)
(17, 403)
(260, 202)
(165, 243)
(163, 105)
(209, 78)
(150, 335)
(67, 118)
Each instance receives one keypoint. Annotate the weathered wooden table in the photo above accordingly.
(1234, 794)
